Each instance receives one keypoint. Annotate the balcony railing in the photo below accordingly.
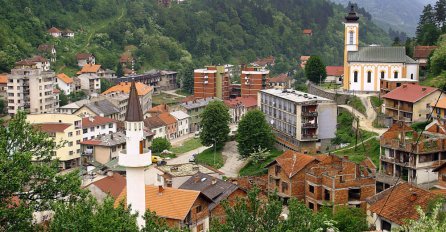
(309, 137)
(309, 125)
(309, 114)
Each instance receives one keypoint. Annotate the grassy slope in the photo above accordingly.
(259, 169)
(207, 157)
(187, 146)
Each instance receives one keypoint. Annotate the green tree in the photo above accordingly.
(2, 106)
(76, 96)
(187, 78)
(215, 124)
(315, 70)
(432, 221)
(29, 177)
(160, 144)
(438, 59)
(254, 133)
(63, 98)
(119, 70)
(396, 42)
(350, 219)
(105, 84)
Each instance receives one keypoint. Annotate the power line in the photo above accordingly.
(412, 150)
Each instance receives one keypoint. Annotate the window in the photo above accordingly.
(382, 74)
(341, 179)
(355, 76)
(103, 127)
(85, 130)
(71, 153)
(91, 129)
(411, 76)
(70, 134)
(70, 144)
(284, 187)
(395, 75)
(311, 188)
(369, 77)
(351, 33)
(310, 205)
(110, 125)
(198, 209)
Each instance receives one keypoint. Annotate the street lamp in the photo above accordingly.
(215, 149)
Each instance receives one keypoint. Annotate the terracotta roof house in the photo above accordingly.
(421, 54)
(408, 102)
(55, 32)
(239, 106)
(171, 124)
(391, 207)
(303, 61)
(334, 74)
(85, 58)
(95, 126)
(63, 77)
(163, 108)
(112, 185)
(282, 81)
(65, 83)
(215, 189)
(103, 108)
(308, 32)
(3, 85)
(263, 62)
(90, 68)
(145, 93)
(48, 50)
(181, 208)
(52, 127)
(156, 125)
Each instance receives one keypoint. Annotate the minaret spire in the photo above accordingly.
(135, 158)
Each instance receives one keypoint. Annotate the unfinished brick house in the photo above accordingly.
(338, 181)
(403, 159)
(286, 174)
(441, 170)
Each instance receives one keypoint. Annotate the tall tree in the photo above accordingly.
(29, 179)
(63, 98)
(160, 144)
(187, 78)
(119, 70)
(105, 84)
(350, 219)
(315, 70)
(440, 13)
(215, 124)
(254, 133)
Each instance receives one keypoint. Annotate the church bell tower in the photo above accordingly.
(351, 41)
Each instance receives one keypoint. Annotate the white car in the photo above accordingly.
(197, 134)
(192, 158)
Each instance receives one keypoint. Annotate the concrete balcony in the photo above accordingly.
(309, 125)
(135, 161)
(310, 114)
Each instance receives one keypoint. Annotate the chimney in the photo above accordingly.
(413, 195)
(196, 179)
(160, 190)
(214, 180)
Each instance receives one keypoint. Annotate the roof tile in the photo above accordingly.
(410, 93)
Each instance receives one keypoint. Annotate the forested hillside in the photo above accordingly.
(196, 33)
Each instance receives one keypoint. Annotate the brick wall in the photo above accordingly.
(218, 213)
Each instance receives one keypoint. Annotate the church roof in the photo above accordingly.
(380, 54)
(134, 111)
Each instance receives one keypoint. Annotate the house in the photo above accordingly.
(441, 170)
(334, 74)
(307, 32)
(48, 51)
(368, 69)
(303, 61)
(263, 63)
(55, 32)
(235, 90)
(65, 83)
(175, 175)
(194, 108)
(85, 58)
(216, 190)
(409, 103)
(3, 86)
(337, 181)
(212, 81)
(301, 122)
(190, 207)
(68, 33)
(154, 111)
(37, 62)
(403, 158)
(126, 60)
(171, 125)
(106, 148)
(144, 93)
(103, 108)
(390, 208)
(438, 110)
(89, 78)
(96, 126)
(182, 122)
(286, 174)
(282, 81)
(156, 126)
(72, 107)
(253, 79)
(63, 128)
(110, 185)
(239, 106)
(421, 54)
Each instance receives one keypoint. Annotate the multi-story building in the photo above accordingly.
(158, 79)
(171, 125)
(239, 106)
(156, 126)
(194, 109)
(421, 54)
(85, 58)
(182, 122)
(282, 81)
(31, 89)
(300, 121)
(89, 78)
(406, 156)
(63, 128)
(4, 86)
(339, 182)
(144, 93)
(96, 126)
(410, 103)
(65, 83)
(438, 110)
(212, 81)
(253, 79)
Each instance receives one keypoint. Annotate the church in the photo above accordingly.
(374, 68)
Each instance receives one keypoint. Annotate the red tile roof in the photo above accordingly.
(265, 61)
(423, 52)
(248, 102)
(54, 30)
(83, 56)
(410, 93)
(335, 71)
(124, 87)
(308, 31)
(90, 68)
(52, 127)
(4, 78)
(91, 142)
(281, 78)
(167, 118)
(159, 109)
(401, 203)
(40, 59)
(63, 77)
(96, 121)
(112, 185)
(292, 162)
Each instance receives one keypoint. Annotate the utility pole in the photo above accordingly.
(357, 130)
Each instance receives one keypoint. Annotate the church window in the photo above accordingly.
(369, 77)
(355, 76)
(382, 74)
(395, 75)
(351, 33)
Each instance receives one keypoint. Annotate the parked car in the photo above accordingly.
(192, 157)
(155, 159)
(197, 134)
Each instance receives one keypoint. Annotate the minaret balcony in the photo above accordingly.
(135, 160)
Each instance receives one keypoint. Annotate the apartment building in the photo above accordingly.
(212, 81)
(89, 78)
(194, 109)
(301, 122)
(338, 182)
(30, 89)
(403, 158)
(253, 79)
(63, 128)
(144, 93)
(410, 103)
(96, 126)
(239, 106)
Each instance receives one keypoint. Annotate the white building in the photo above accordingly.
(85, 58)
(89, 78)
(182, 122)
(93, 127)
(65, 83)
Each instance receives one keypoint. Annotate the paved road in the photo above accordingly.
(365, 122)
(172, 92)
(184, 158)
(233, 164)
